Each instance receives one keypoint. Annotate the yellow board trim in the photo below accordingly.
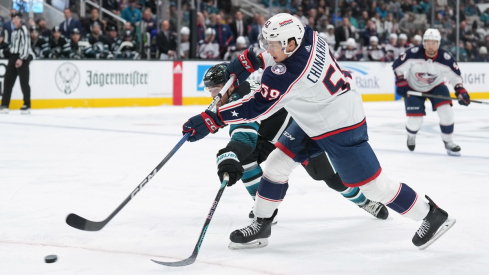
(142, 102)
(92, 102)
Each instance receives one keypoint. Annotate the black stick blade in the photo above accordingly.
(81, 223)
(185, 262)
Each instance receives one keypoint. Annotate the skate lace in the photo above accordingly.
(423, 229)
(251, 229)
(372, 207)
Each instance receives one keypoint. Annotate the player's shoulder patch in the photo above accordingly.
(279, 69)
(447, 56)
(414, 49)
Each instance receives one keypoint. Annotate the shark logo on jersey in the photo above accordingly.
(426, 78)
(447, 56)
(415, 50)
(279, 68)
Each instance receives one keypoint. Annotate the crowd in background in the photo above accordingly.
(368, 30)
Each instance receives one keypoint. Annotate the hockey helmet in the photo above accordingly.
(432, 34)
(241, 41)
(209, 32)
(56, 29)
(215, 75)
(281, 28)
(185, 31)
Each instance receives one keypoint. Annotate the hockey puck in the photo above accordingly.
(51, 259)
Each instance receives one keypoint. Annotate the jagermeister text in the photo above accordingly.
(131, 78)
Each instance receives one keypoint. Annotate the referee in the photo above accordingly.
(18, 64)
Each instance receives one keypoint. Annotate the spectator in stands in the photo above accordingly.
(402, 43)
(209, 49)
(184, 42)
(96, 34)
(485, 16)
(329, 36)
(166, 42)
(149, 20)
(374, 51)
(4, 49)
(112, 5)
(151, 4)
(471, 9)
(416, 8)
(209, 7)
(348, 52)
(69, 24)
(112, 37)
(235, 51)
(256, 30)
(353, 20)
(43, 30)
(77, 50)
(126, 48)
(224, 35)
(239, 27)
(299, 14)
(200, 28)
(362, 22)
(93, 18)
(369, 32)
(39, 43)
(461, 51)
(417, 40)
(8, 27)
(390, 24)
(379, 26)
(391, 49)
(56, 43)
(406, 25)
(482, 56)
(471, 51)
(343, 32)
(382, 10)
(131, 13)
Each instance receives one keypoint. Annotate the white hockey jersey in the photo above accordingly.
(422, 73)
(308, 85)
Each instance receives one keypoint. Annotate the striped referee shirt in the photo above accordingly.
(21, 42)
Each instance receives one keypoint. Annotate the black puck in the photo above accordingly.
(51, 259)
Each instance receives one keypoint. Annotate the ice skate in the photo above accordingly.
(25, 110)
(434, 225)
(452, 148)
(3, 110)
(251, 215)
(254, 235)
(411, 142)
(377, 209)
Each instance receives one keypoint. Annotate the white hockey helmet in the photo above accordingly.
(432, 34)
(185, 31)
(210, 31)
(281, 28)
(241, 40)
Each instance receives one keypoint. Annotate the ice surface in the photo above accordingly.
(87, 161)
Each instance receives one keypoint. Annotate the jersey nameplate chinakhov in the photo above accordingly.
(318, 62)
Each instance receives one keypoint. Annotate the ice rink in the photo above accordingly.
(87, 161)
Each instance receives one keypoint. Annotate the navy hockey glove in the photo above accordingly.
(228, 162)
(402, 86)
(462, 95)
(242, 66)
(201, 125)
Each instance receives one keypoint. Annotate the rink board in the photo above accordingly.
(111, 83)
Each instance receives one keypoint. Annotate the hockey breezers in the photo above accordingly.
(190, 260)
(81, 223)
(420, 94)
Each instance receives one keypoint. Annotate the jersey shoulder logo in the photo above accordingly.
(308, 48)
(447, 56)
(415, 50)
(279, 68)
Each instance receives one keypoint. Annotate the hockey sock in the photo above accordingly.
(445, 113)
(354, 195)
(413, 124)
(406, 203)
(251, 177)
(269, 196)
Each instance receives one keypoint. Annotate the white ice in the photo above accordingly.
(87, 161)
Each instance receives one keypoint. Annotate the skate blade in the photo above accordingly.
(453, 154)
(251, 245)
(442, 230)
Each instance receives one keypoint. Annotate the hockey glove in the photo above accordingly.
(228, 162)
(402, 86)
(201, 125)
(462, 95)
(242, 66)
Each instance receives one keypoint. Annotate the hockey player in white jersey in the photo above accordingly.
(305, 79)
(424, 68)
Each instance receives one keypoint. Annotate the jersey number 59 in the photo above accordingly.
(270, 95)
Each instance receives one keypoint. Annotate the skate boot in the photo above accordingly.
(3, 110)
(411, 142)
(25, 110)
(254, 235)
(251, 215)
(452, 148)
(435, 224)
(377, 209)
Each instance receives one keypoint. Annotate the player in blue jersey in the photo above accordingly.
(323, 100)
(253, 142)
(424, 68)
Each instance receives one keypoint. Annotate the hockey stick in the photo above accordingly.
(442, 97)
(81, 223)
(190, 260)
